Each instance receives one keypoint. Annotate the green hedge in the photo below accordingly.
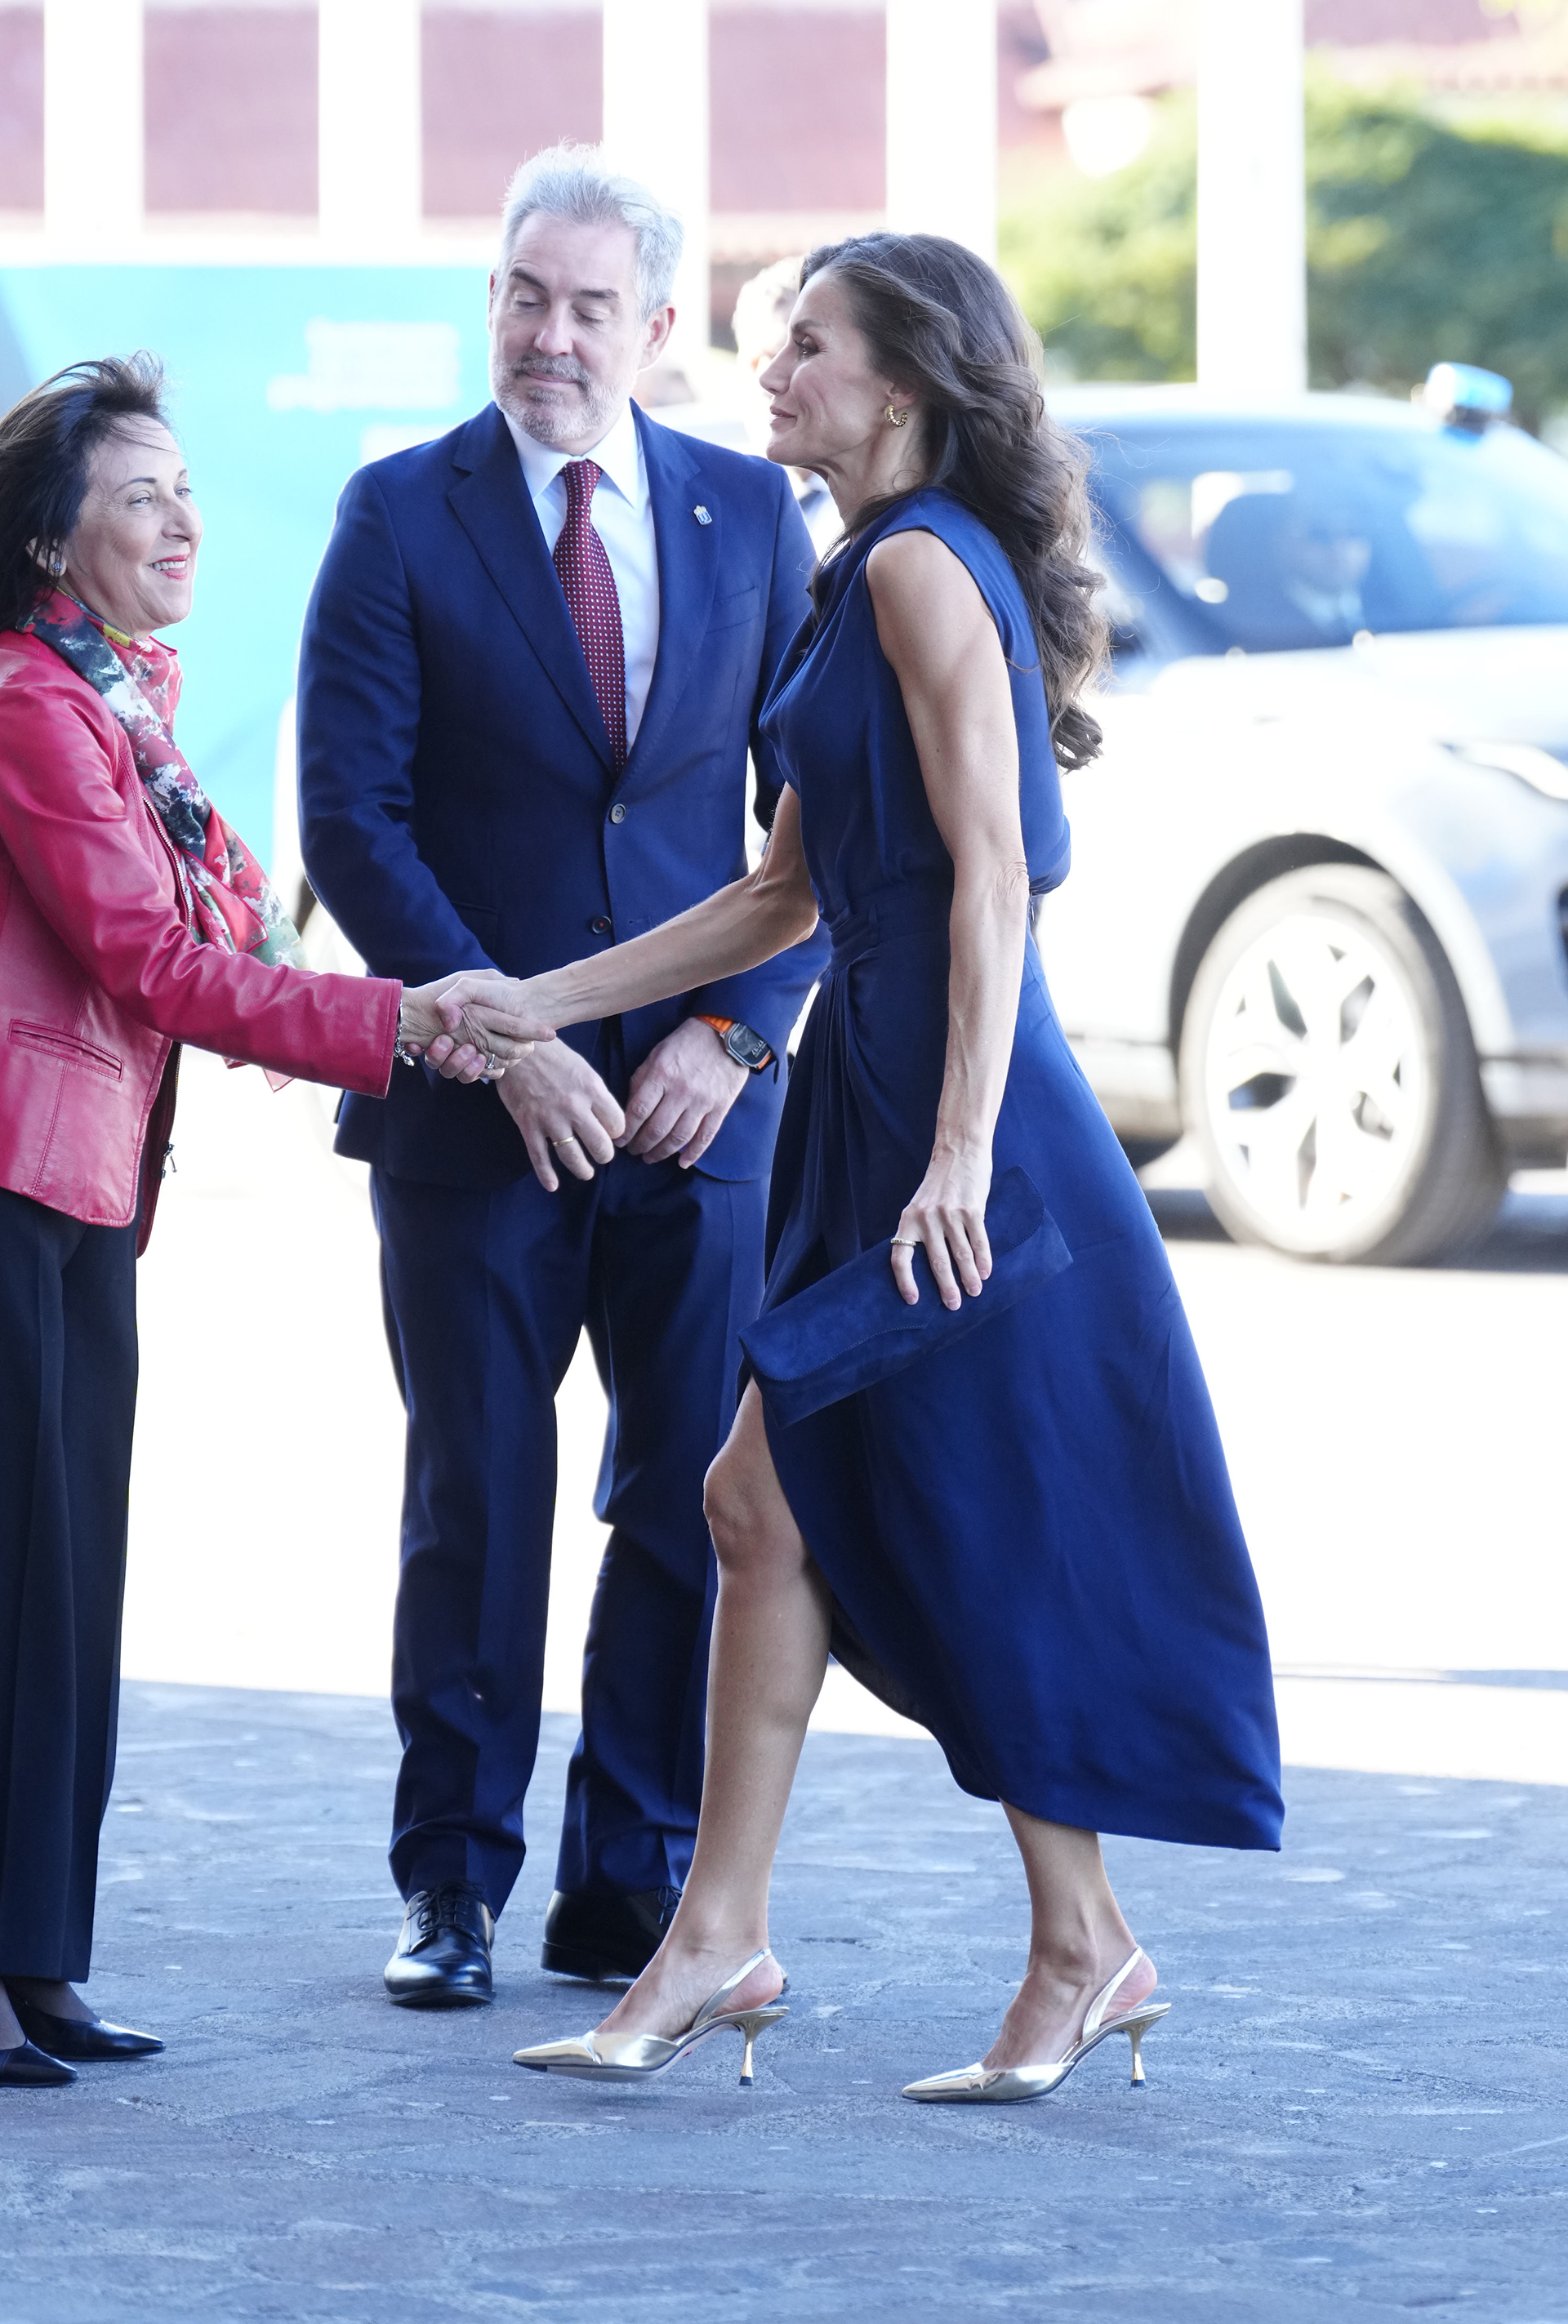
(1424, 241)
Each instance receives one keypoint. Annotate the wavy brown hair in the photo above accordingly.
(47, 442)
(944, 325)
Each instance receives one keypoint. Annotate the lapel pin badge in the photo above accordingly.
(701, 514)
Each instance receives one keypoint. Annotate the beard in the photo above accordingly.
(583, 414)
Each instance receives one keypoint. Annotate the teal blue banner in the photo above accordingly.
(282, 381)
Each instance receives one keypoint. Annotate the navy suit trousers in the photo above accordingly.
(487, 1292)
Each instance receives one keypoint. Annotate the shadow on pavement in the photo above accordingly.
(1529, 1237)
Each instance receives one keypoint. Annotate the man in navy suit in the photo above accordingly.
(532, 666)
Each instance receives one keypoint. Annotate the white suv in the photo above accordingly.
(1317, 914)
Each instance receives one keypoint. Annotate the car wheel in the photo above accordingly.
(1327, 1068)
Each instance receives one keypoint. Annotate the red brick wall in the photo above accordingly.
(1350, 22)
(797, 94)
(498, 88)
(1021, 45)
(230, 98)
(21, 108)
(798, 109)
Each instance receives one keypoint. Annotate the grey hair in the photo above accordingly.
(763, 298)
(571, 181)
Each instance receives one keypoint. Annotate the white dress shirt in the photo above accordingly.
(623, 517)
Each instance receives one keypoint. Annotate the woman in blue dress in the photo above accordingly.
(1026, 1541)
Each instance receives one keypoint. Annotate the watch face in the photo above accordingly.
(746, 1048)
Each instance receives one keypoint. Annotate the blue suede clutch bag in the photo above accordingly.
(854, 1329)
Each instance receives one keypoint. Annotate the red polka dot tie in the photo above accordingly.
(593, 602)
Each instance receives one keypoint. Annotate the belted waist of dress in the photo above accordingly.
(907, 907)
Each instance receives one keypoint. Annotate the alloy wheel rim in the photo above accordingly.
(1315, 1081)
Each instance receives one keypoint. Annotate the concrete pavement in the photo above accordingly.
(1358, 2105)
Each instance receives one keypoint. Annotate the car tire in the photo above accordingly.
(1328, 1072)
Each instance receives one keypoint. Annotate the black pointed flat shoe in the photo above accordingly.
(84, 2042)
(25, 2068)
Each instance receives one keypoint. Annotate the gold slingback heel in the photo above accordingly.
(1006, 2085)
(638, 2057)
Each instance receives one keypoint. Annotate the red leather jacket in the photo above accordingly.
(100, 976)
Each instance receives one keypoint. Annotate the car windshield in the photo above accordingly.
(1280, 536)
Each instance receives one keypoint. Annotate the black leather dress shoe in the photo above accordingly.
(605, 1938)
(84, 2043)
(443, 1955)
(25, 2068)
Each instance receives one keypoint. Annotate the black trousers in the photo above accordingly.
(68, 1403)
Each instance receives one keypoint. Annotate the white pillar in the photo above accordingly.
(92, 122)
(656, 129)
(1251, 197)
(942, 120)
(370, 126)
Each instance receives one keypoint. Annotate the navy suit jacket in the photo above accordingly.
(460, 806)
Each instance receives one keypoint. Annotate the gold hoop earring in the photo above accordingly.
(897, 418)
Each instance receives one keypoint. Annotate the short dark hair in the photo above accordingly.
(47, 442)
(939, 321)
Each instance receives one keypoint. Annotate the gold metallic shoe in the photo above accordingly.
(1005, 2084)
(638, 2056)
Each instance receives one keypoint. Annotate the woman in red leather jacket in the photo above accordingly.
(132, 918)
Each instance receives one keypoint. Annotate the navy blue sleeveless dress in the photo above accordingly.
(1030, 1537)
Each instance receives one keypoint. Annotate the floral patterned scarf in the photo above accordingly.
(232, 903)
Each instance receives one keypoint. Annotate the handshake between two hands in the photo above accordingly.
(481, 1026)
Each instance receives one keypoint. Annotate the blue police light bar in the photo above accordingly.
(1465, 396)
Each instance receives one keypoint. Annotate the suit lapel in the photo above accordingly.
(491, 504)
(688, 554)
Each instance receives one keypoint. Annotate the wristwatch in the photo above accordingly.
(746, 1048)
